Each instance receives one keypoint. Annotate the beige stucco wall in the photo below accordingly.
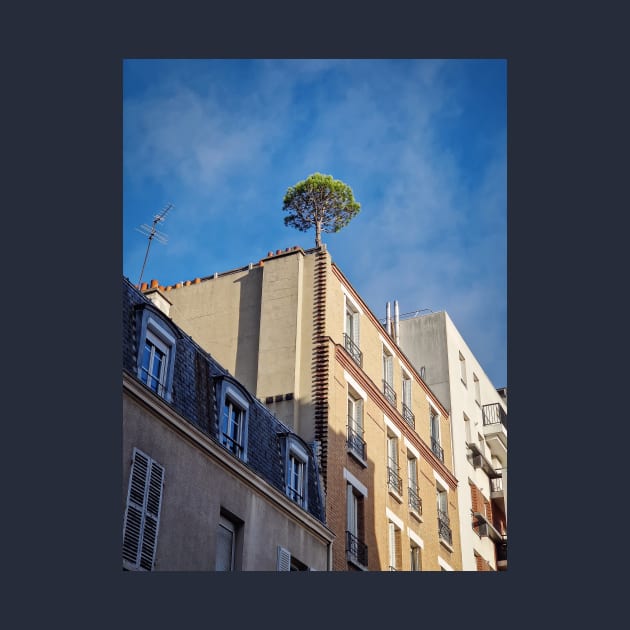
(197, 487)
(222, 315)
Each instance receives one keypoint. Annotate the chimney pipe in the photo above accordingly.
(396, 322)
(388, 319)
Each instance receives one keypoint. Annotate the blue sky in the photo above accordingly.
(422, 144)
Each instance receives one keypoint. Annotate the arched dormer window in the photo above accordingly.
(233, 409)
(296, 458)
(156, 352)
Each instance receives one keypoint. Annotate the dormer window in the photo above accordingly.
(296, 471)
(233, 419)
(156, 354)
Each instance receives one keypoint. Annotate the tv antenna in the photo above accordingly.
(151, 233)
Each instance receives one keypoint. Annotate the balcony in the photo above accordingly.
(486, 528)
(409, 416)
(415, 502)
(444, 528)
(494, 414)
(495, 430)
(394, 481)
(479, 460)
(438, 451)
(353, 350)
(355, 443)
(389, 392)
(356, 551)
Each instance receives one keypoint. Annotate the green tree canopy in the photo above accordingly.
(320, 201)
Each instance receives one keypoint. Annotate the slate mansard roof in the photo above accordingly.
(194, 397)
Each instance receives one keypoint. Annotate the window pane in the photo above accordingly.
(435, 426)
(352, 512)
(413, 478)
(156, 368)
(442, 502)
(415, 558)
(392, 450)
(231, 426)
(296, 478)
(225, 549)
(146, 361)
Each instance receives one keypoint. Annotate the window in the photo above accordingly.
(226, 543)
(295, 478)
(142, 513)
(467, 429)
(477, 394)
(394, 482)
(434, 420)
(356, 549)
(296, 467)
(415, 558)
(394, 547)
(356, 444)
(156, 354)
(153, 366)
(444, 525)
(351, 332)
(288, 562)
(415, 504)
(462, 368)
(388, 376)
(406, 401)
(233, 419)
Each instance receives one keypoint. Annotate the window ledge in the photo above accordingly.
(357, 564)
(416, 515)
(395, 494)
(463, 383)
(446, 545)
(357, 458)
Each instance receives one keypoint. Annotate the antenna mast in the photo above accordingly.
(151, 232)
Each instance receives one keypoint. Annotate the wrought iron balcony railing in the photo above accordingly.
(493, 414)
(444, 527)
(295, 495)
(438, 451)
(415, 502)
(389, 392)
(394, 481)
(355, 441)
(232, 445)
(356, 550)
(409, 416)
(353, 350)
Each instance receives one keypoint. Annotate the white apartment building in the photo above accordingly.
(478, 414)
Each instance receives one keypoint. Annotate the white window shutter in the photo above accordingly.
(142, 516)
(355, 328)
(358, 409)
(284, 559)
(389, 369)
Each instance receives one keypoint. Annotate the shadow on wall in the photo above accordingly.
(246, 359)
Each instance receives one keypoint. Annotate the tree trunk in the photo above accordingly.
(318, 233)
